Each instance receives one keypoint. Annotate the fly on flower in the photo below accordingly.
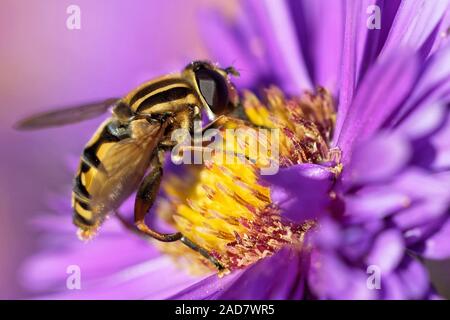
(126, 155)
(360, 203)
(133, 140)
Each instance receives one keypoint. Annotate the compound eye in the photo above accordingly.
(214, 89)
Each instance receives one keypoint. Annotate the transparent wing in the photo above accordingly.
(123, 168)
(65, 116)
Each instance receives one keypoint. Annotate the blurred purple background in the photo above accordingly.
(43, 64)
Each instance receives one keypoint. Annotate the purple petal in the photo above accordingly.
(415, 236)
(414, 278)
(381, 91)
(432, 86)
(420, 213)
(375, 203)
(414, 22)
(423, 121)
(233, 48)
(377, 159)
(328, 235)
(319, 25)
(376, 38)
(65, 249)
(357, 240)
(441, 143)
(161, 275)
(410, 281)
(278, 33)
(405, 24)
(438, 246)
(388, 250)
(301, 191)
(355, 34)
(259, 281)
(419, 184)
(208, 288)
(393, 288)
(442, 39)
(331, 278)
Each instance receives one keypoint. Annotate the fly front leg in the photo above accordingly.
(145, 198)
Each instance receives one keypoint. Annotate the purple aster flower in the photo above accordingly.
(352, 212)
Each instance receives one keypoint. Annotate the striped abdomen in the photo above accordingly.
(91, 159)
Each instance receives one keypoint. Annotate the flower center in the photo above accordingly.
(224, 206)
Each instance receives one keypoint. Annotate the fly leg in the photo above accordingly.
(203, 252)
(144, 200)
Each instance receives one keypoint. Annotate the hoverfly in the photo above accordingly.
(125, 153)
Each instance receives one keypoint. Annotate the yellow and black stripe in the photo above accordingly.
(165, 94)
(91, 159)
(168, 94)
